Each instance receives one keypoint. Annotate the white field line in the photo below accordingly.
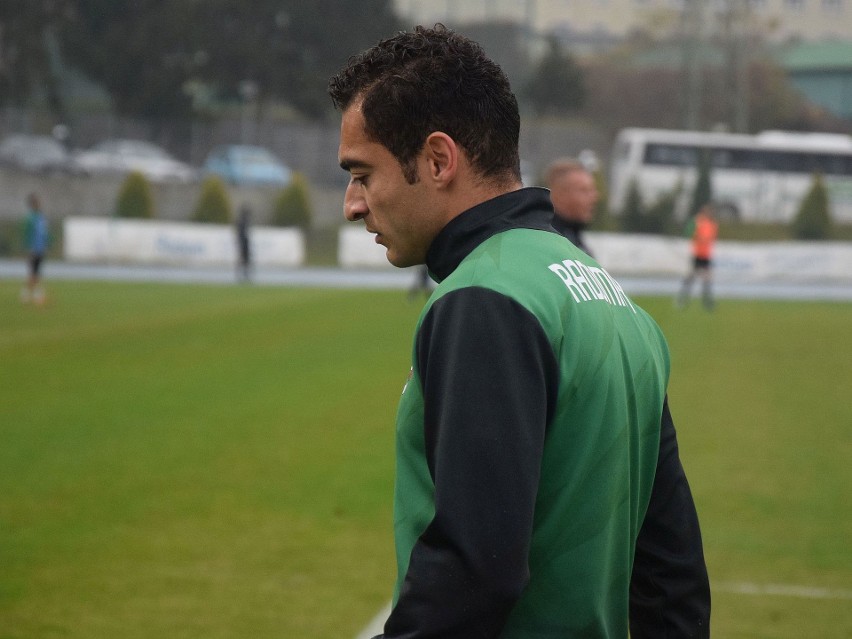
(377, 624)
(782, 590)
(741, 588)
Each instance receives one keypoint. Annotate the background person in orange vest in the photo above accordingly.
(704, 230)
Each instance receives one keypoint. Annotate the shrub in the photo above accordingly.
(558, 84)
(813, 222)
(703, 191)
(214, 204)
(11, 242)
(661, 214)
(601, 215)
(631, 216)
(292, 207)
(134, 198)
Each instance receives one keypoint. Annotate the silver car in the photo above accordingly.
(121, 156)
(36, 153)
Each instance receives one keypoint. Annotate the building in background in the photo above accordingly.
(586, 22)
(823, 72)
(810, 39)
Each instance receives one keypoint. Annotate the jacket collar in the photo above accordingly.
(528, 208)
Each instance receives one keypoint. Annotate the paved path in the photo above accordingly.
(400, 279)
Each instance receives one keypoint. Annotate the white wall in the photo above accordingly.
(356, 247)
(652, 255)
(184, 243)
(734, 261)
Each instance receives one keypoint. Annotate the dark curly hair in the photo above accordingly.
(430, 80)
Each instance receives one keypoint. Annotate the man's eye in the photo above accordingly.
(360, 180)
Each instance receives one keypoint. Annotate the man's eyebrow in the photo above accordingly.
(348, 165)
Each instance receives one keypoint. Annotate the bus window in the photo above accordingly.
(780, 162)
(736, 159)
(722, 158)
(830, 164)
(671, 154)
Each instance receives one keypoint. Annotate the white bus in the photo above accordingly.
(759, 177)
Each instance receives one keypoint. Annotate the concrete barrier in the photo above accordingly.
(733, 261)
(94, 239)
(356, 247)
(654, 255)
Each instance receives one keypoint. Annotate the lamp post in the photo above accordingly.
(248, 92)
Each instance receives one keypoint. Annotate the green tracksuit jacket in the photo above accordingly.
(528, 440)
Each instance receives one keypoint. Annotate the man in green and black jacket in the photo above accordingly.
(539, 490)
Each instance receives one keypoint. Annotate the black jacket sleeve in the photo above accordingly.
(669, 589)
(489, 381)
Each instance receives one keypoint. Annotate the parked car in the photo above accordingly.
(119, 156)
(38, 153)
(243, 164)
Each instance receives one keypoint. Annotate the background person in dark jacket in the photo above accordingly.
(574, 195)
(243, 228)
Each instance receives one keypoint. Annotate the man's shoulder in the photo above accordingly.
(512, 254)
(531, 266)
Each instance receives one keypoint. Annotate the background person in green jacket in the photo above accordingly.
(539, 491)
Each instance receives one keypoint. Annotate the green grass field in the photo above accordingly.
(216, 461)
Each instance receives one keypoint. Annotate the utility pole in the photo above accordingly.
(742, 38)
(691, 34)
(734, 20)
(488, 10)
(530, 10)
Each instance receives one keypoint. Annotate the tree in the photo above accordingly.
(149, 53)
(214, 205)
(601, 218)
(557, 85)
(292, 207)
(141, 51)
(813, 222)
(632, 217)
(134, 198)
(702, 193)
(660, 215)
(656, 218)
(303, 44)
(27, 35)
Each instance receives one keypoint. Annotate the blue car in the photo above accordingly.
(247, 165)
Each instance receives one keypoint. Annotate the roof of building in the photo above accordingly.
(671, 56)
(818, 56)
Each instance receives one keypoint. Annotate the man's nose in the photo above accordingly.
(354, 204)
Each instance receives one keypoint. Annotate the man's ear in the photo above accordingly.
(442, 157)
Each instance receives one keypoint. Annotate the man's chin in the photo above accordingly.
(401, 261)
